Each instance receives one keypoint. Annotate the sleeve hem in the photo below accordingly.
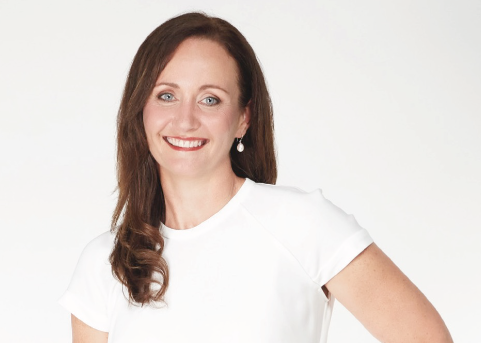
(71, 303)
(351, 248)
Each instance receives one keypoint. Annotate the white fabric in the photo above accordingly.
(253, 272)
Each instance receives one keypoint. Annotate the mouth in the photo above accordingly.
(185, 144)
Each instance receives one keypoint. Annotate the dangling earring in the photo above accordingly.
(240, 146)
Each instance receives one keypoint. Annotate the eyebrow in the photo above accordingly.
(214, 86)
(170, 84)
(203, 87)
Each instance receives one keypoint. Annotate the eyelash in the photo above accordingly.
(216, 101)
(162, 98)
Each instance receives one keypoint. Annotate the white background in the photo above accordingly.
(376, 102)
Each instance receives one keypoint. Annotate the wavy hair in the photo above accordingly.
(136, 258)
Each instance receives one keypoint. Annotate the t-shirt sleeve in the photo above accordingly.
(331, 240)
(318, 234)
(87, 295)
(347, 240)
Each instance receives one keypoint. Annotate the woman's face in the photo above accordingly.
(193, 116)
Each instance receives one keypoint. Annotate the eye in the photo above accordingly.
(210, 101)
(166, 97)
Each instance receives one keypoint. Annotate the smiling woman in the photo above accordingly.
(203, 246)
(195, 107)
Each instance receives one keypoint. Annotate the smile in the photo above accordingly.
(185, 144)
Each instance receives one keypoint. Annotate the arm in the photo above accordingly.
(386, 302)
(82, 333)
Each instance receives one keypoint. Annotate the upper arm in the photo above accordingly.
(385, 301)
(82, 333)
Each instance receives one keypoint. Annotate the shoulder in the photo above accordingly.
(93, 269)
(96, 253)
(291, 203)
(101, 245)
(270, 195)
(92, 283)
(318, 234)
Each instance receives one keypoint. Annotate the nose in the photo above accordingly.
(186, 119)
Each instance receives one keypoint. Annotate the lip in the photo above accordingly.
(202, 142)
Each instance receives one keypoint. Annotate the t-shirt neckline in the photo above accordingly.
(210, 222)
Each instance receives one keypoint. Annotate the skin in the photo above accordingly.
(386, 302)
(196, 97)
(82, 333)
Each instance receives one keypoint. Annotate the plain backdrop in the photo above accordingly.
(376, 102)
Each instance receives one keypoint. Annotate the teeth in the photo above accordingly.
(183, 143)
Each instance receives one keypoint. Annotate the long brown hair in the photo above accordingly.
(136, 259)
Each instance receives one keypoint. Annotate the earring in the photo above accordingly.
(240, 146)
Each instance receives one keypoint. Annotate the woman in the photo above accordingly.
(203, 247)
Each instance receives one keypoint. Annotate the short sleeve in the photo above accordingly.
(342, 239)
(319, 235)
(87, 295)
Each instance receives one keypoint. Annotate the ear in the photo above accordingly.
(244, 120)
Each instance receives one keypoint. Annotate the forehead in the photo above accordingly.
(200, 60)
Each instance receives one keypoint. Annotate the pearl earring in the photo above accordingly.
(240, 146)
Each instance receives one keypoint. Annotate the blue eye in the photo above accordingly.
(166, 97)
(210, 101)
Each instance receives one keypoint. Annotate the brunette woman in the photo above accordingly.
(203, 246)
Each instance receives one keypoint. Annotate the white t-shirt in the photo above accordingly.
(253, 272)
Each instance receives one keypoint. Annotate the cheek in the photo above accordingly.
(235, 120)
(230, 119)
(153, 120)
(222, 126)
(147, 117)
(148, 123)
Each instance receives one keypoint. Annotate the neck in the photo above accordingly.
(189, 202)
